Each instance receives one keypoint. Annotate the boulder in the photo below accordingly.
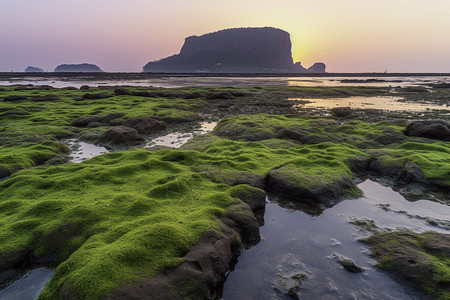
(416, 259)
(121, 135)
(341, 112)
(103, 119)
(348, 263)
(146, 125)
(433, 129)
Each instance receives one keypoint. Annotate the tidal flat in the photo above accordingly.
(170, 219)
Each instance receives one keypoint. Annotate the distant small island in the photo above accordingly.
(237, 50)
(78, 68)
(31, 69)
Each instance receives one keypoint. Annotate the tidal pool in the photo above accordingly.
(300, 239)
(389, 103)
(29, 286)
(82, 151)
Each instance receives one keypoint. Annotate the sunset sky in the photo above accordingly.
(119, 35)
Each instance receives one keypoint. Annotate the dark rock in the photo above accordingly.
(193, 95)
(45, 98)
(78, 68)
(104, 119)
(245, 222)
(290, 182)
(14, 98)
(341, 112)
(121, 135)
(146, 125)
(238, 50)
(84, 87)
(92, 96)
(348, 263)
(442, 85)
(360, 165)
(317, 68)
(290, 285)
(294, 132)
(220, 95)
(31, 69)
(387, 138)
(414, 89)
(411, 173)
(248, 131)
(255, 198)
(433, 129)
(4, 172)
(409, 256)
(122, 91)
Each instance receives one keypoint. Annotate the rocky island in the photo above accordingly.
(237, 50)
(31, 69)
(88, 68)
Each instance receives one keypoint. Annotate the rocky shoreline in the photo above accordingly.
(262, 143)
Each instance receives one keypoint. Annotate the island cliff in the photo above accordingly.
(78, 68)
(238, 50)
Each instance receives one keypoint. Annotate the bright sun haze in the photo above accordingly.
(117, 35)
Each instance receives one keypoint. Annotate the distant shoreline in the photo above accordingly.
(131, 75)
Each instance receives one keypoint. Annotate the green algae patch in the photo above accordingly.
(433, 159)
(111, 219)
(423, 260)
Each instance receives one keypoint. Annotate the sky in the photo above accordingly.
(122, 36)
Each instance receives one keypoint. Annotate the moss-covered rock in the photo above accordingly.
(421, 260)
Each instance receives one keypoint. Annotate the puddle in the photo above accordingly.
(29, 286)
(294, 241)
(389, 103)
(82, 151)
(177, 139)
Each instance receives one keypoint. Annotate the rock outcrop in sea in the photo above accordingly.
(237, 50)
(78, 68)
(31, 69)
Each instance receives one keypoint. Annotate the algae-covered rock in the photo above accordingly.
(420, 260)
(348, 263)
(255, 198)
(290, 285)
(102, 119)
(433, 129)
(146, 125)
(311, 187)
(121, 135)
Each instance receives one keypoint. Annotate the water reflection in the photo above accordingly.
(29, 286)
(384, 103)
(294, 241)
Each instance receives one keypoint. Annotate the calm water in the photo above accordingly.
(295, 241)
(29, 286)
(380, 102)
(176, 82)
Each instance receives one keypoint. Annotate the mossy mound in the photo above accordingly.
(421, 260)
(110, 220)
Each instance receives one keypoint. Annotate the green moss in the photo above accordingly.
(132, 214)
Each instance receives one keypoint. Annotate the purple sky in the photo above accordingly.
(118, 35)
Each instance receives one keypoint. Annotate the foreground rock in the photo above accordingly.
(433, 129)
(421, 260)
(89, 68)
(95, 121)
(121, 135)
(243, 50)
(146, 125)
